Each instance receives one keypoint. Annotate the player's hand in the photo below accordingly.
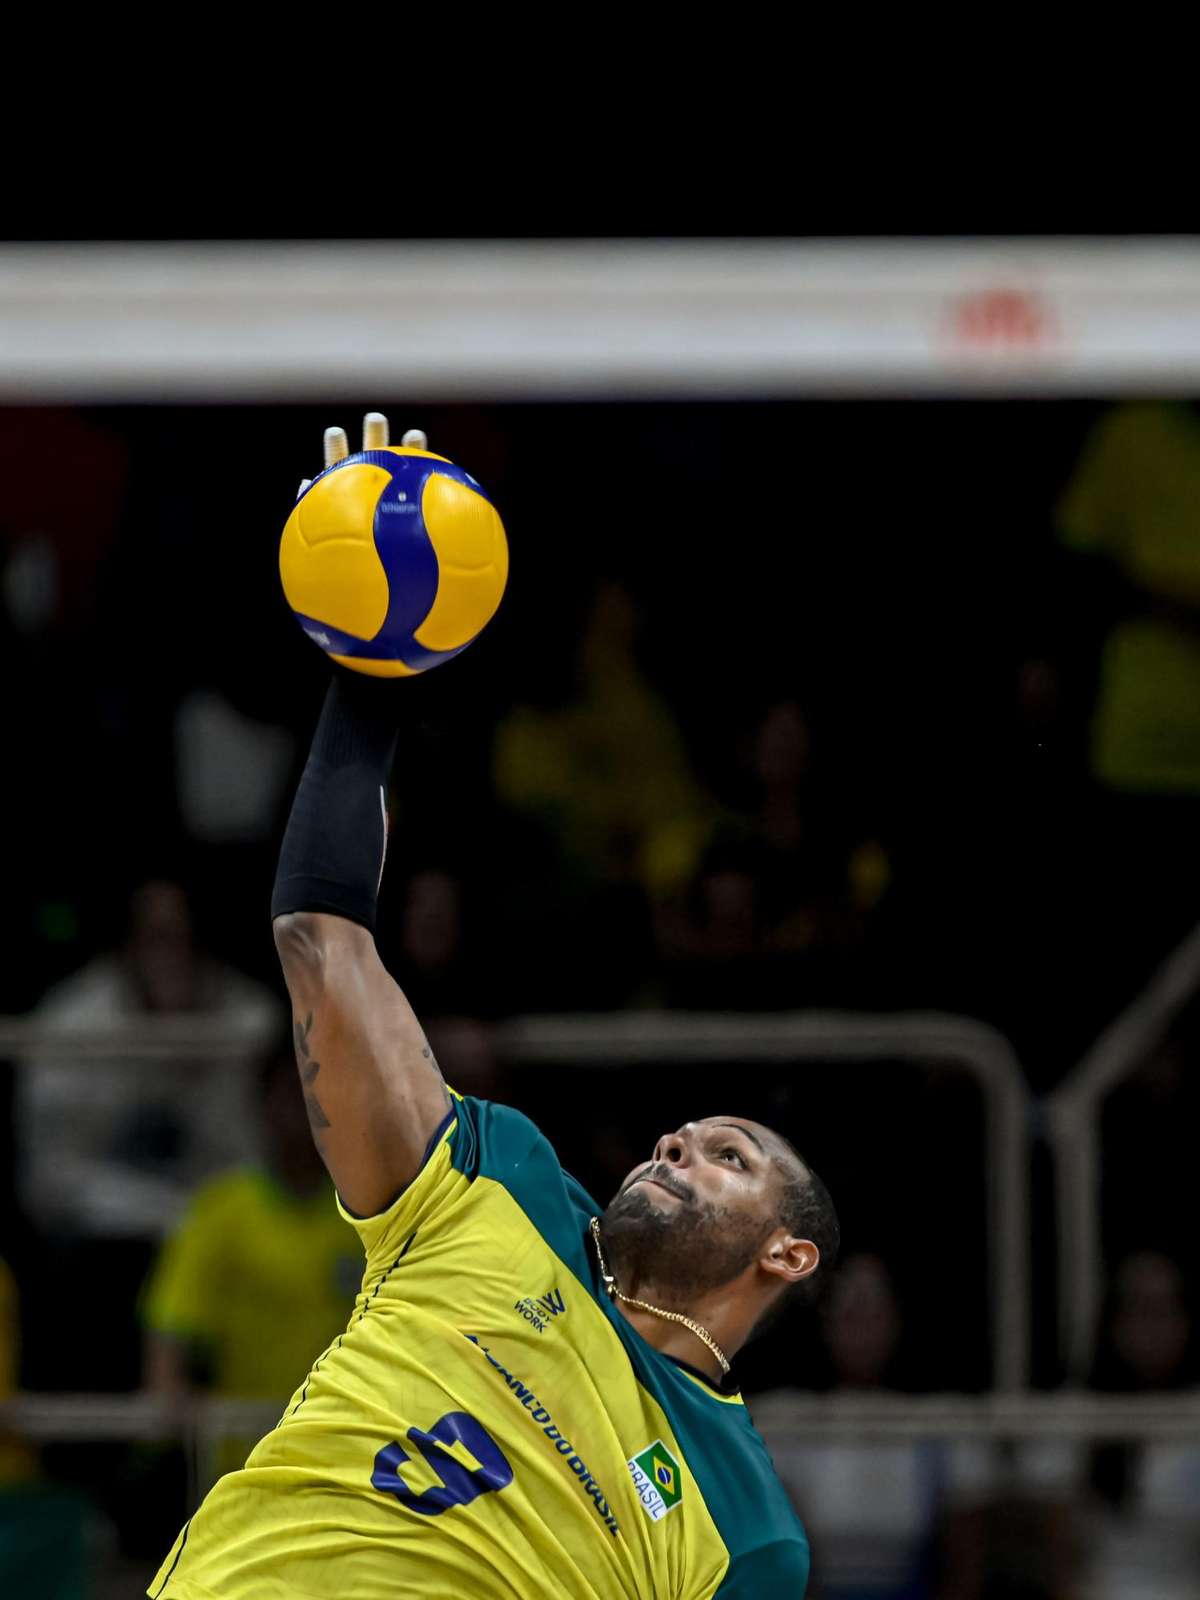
(375, 437)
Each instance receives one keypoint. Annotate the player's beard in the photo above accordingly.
(682, 1251)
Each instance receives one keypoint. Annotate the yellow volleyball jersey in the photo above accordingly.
(489, 1426)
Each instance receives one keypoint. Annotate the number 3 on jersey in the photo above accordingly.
(460, 1484)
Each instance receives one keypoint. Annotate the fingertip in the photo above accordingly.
(337, 446)
(375, 431)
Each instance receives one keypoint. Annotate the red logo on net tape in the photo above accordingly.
(1002, 319)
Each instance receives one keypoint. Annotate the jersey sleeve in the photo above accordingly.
(779, 1570)
(480, 1139)
(433, 1192)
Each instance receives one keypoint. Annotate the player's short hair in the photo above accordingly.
(807, 1211)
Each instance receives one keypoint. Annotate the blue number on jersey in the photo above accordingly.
(461, 1484)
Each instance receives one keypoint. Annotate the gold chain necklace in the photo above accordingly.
(610, 1283)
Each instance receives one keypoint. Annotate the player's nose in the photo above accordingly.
(675, 1149)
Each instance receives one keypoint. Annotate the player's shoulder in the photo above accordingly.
(759, 1488)
(766, 1539)
(486, 1165)
(496, 1141)
(778, 1567)
(732, 1468)
(490, 1138)
(503, 1146)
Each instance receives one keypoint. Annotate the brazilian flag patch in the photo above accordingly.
(656, 1479)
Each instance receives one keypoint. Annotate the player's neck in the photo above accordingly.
(685, 1326)
(674, 1340)
(720, 1313)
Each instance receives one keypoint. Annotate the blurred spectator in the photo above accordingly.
(782, 894)
(231, 767)
(261, 1273)
(862, 1325)
(1019, 1530)
(1134, 504)
(1154, 1109)
(925, 1519)
(712, 942)
(1148, 1336)
(820, 880)
(928, 1519)
(1132, 509)
(607, 773)
(111, 1147)
(232, 770)
(613, 819)
(1146, 1542)
(870, 1508)
(428, 933)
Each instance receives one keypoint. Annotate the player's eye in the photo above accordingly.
(736, 1154)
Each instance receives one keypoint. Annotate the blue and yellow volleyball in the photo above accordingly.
(393, 561)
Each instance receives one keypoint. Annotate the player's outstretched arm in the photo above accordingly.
(373, 1091)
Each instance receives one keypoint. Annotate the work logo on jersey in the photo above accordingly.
(657, 1479)
(538, 1312)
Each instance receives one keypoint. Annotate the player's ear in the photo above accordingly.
(789, 1259)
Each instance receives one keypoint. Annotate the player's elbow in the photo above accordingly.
(300, 943)
(308, 942)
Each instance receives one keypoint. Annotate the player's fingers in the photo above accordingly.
(337, 446)
(305, 483)
(375, 431)
(375, 437)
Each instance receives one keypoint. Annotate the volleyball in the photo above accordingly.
(393, 560)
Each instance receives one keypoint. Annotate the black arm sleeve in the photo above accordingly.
(336, 837)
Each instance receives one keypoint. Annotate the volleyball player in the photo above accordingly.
(533, 1395)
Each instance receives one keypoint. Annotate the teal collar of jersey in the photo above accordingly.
(728, 1388)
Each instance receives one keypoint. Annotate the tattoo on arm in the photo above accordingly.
(428, 1054)
(432, 1060)
(309, 1068)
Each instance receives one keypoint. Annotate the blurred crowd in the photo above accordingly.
(906, 717)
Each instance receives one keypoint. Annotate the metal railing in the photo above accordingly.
(789, 1415)
(169, 1039)
(669, 1038)
(1073, 1123)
